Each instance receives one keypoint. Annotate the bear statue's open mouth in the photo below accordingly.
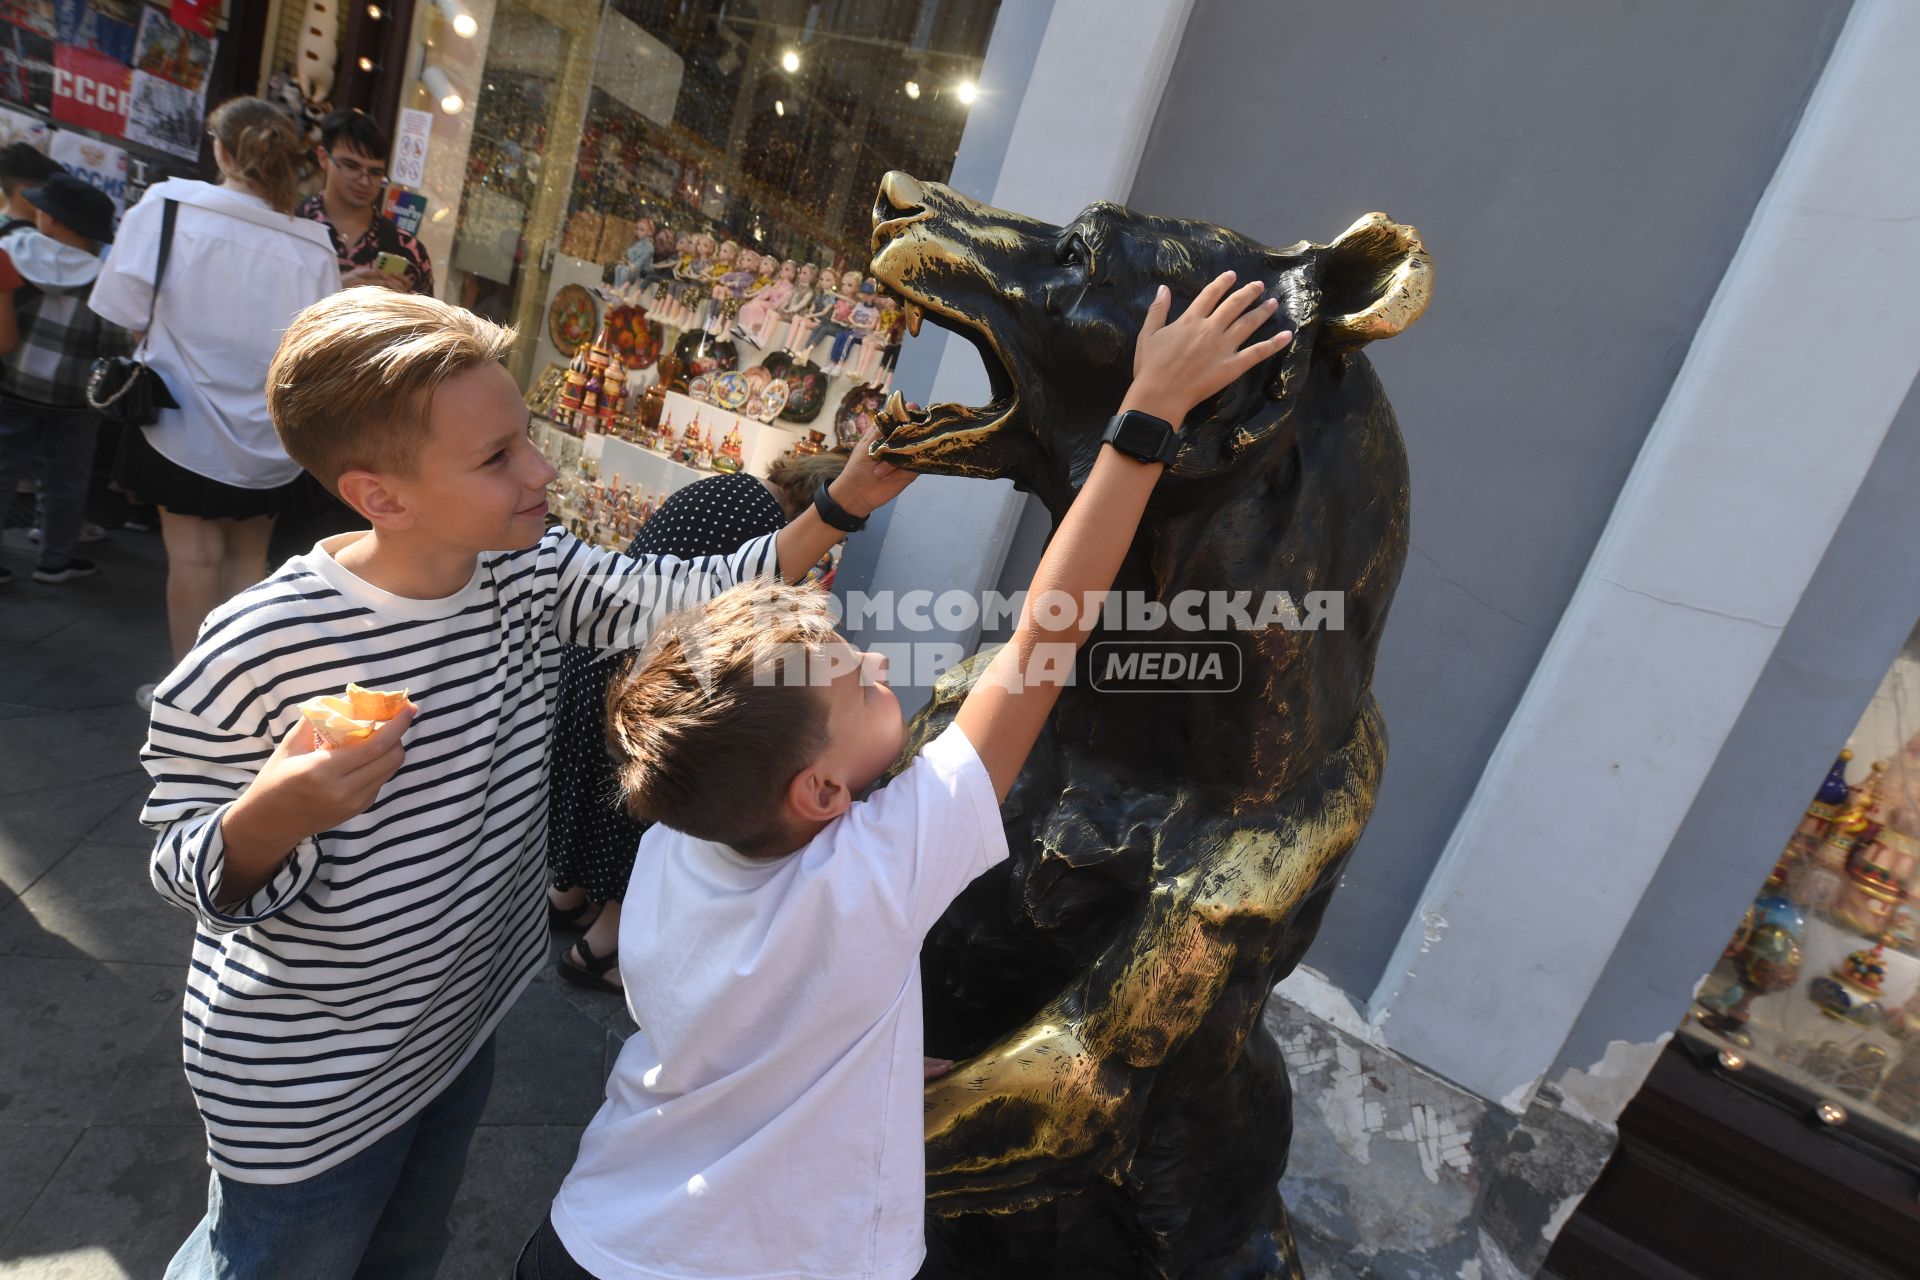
(927, 260)
(907, 433)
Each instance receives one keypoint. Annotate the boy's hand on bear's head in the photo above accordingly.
(1177, 365)
(866, 484)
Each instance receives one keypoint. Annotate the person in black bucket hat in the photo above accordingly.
(82, 209)
(22, 165)
(49, 338)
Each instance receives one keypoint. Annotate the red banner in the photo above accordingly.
(91, 90)
(195, 15)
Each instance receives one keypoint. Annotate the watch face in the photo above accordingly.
(1142, 435)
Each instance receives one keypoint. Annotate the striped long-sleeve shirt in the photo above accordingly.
(332, 1005)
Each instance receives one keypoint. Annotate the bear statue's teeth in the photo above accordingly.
(895, 410)
(914, 315)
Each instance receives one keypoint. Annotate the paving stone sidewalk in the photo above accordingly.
(102, 1158)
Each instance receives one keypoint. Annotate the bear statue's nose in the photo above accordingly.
(900, 190)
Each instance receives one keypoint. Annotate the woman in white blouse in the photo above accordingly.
(240, 267)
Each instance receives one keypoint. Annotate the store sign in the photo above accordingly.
(91, 90)
(409, 166)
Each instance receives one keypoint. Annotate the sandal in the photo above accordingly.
(571, 920)
(591, 972)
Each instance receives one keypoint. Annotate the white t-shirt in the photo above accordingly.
(237, 274)
(766, 1120)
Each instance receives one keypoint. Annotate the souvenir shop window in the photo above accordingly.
(1818, 991)
(700, 294)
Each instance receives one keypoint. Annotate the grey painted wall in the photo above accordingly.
(1837, 648)
(1582, 171)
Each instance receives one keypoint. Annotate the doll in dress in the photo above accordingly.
(861, 323)
(666, 251)
(826, 296)
(757, 318)
(695, 257)
(637, 263)
(885, 333)
(839, 322)
(801, 302)
(725, 262)
(744, 271)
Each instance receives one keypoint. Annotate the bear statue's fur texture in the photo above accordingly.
(1117, 1109)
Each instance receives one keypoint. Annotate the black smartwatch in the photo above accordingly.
(836, 516)
(1143, 436)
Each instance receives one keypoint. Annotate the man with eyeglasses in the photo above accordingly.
(353, 151)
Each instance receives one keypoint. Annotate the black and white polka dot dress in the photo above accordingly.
(590, 839)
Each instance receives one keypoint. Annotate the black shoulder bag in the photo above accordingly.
(125, 389)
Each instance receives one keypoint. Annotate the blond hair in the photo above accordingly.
(710, 724)
(264, 146)
(798, 477)
(349, 387)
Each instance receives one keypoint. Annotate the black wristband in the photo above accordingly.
(836, 516)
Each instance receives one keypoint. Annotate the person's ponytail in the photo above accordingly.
(264, 146)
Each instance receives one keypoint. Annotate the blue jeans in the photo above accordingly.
(59, 444)
(381, 1215)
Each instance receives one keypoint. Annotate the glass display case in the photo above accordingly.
(1817, 995)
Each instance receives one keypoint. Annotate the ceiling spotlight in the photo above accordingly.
(373, 11)
(779, 107)
(439, 86)
(790, 60)
(913, 88)
(463, 24)
(366, 63)
(968, 91)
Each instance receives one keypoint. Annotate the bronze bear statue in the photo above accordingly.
(1118, 1110)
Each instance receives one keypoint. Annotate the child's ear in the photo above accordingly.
(368, 494)
(812, 796)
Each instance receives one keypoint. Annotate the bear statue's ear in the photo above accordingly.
(1375, 280)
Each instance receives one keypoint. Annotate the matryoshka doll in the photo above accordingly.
(614, 383)
(573, 389)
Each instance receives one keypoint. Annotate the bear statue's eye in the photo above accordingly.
(1073, 252)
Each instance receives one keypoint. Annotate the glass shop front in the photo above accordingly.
(1779, 1134)
(671, 202)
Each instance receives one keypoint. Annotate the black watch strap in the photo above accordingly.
(836, 516)
(1143, 436)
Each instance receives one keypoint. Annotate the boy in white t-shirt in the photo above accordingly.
(766, 1121)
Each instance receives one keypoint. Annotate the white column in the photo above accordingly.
(1804, 356)
(1080, 129)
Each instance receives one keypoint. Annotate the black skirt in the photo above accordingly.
(591, 840)
(149, 476)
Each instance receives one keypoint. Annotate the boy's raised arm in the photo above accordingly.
(863, 486)
(605, 600)
(1175, 367)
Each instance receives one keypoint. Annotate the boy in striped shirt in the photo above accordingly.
(367, 914)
